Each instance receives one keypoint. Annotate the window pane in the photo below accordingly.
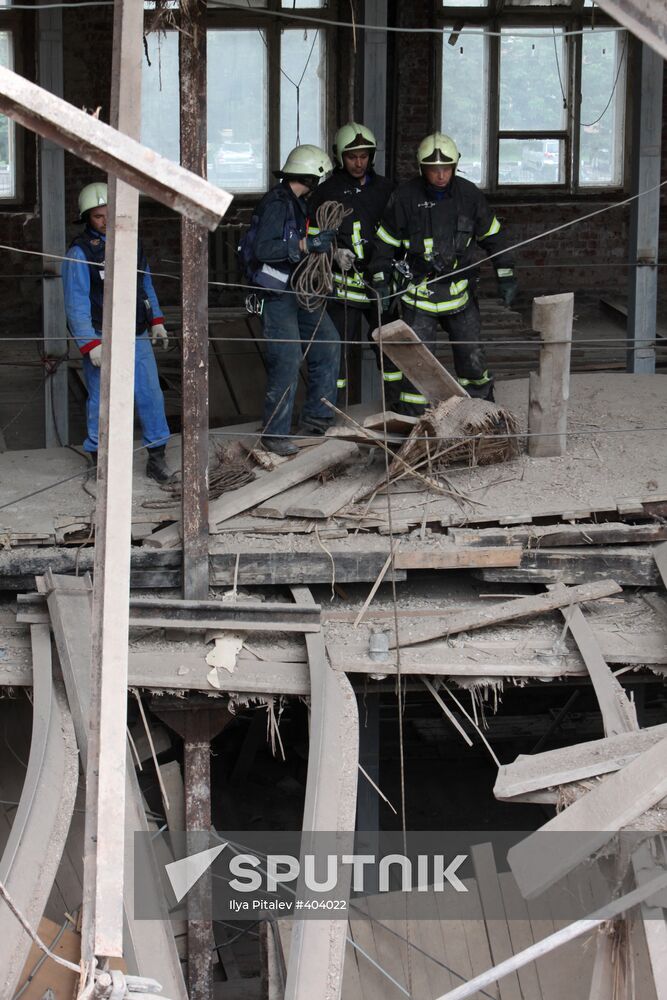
(465, 3)
(237, 115)
(532, 71)
(531, 161)
(464, 103)
(7, 130)
(602, 108)
(237, 122)
(299, 4)
(159, 95)
(302, 89)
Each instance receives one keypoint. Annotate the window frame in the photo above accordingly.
(12, 23)
(570, 17)
(259, 18)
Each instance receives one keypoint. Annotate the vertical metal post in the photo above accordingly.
(374, 63)
(105, 772)
(645, 216)
(194, 303)
(197, 726)
(52, 211)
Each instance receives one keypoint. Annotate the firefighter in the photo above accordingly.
(355, 184)
(278, 239)
(83, 288)
(433, 223)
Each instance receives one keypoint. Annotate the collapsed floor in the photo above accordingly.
(590, 523)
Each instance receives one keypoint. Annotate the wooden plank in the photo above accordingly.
(631, 567)
(38, 833)
(521, 933)
(456, 557)
(523, 607)
(530, 772)
(549, 389)
(655, 928)
(308, 463)
(395, 423)
(327, 498)
(400, 343)
(149, 944)
(614, 803)
(113, 152)
(660, 556)
(618, 713)
(553, 535)
(494, 917)
(277, 506)
(317, 955)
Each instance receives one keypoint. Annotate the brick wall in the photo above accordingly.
(87, 58)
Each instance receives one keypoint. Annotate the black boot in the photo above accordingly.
(312, 427)
(280, 446)
(156, 467)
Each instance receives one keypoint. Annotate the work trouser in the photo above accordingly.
(348, 321)
(464, 329)
(148, 398)
(290, 331)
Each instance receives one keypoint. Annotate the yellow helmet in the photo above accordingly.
(306, 161)
(438, 149)
(92, 196)
(352, 137)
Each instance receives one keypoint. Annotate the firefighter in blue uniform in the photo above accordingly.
(356, 186)
(83, 288)
(433, 223)
(278, 239)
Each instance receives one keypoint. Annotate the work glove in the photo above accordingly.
(507, 288)
(320, 242)
(382, 290)
(95, 356)
(159, 335)
(344, 258)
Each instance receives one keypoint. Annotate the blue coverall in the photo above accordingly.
(148, 397)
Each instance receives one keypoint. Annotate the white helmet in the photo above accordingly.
(306, 161)
(438, 149)
(352, 137)
(92, 196)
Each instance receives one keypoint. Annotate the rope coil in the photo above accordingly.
(312, 281)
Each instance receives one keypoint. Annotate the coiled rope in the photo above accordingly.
(312, 281)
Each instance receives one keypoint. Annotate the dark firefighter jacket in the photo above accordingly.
(436, 233)
(357, 232)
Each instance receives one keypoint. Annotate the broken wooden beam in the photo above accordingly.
(522, 607)
(549, 389)
(456, 557)
(631, 566)
(98, 143)
(536, 772)
(540, 860)
(417, 362)
(556, 535)
(618, 712)
(305, 465)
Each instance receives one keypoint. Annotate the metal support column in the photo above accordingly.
(102, 933)
(52, 212)
(645, 216)
(194, 302)
(197, 727)
(375, 116)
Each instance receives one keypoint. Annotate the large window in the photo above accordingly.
(8, 166)
(266, 93)
(538, 103)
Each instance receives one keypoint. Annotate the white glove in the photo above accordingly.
(344, 258)
(158, 333)
(95, 355)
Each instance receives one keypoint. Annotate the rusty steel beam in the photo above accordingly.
(197, 727)
(194, 304)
